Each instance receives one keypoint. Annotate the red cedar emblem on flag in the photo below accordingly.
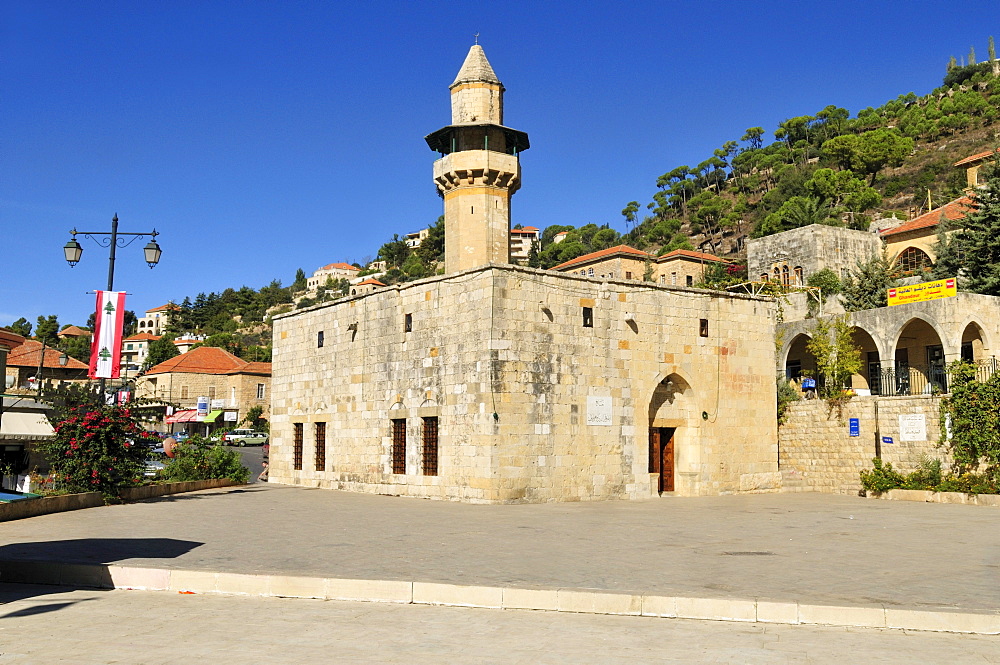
(106, 349)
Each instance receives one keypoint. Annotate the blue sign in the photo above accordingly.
(887, 439)
(808, 383)
(855, 427)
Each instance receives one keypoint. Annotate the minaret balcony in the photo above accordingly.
(477, 168)
(465, 137)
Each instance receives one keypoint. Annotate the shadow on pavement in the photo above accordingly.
(82, 562)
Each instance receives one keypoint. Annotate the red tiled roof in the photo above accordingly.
(976, 157)
(341, 266)
(603, 254)
(142, 337)
(525, 232)
(203, 360)
(950, 211)
(169, 306)
(698, 256)
(255, 368)
(73, 331)
(29, 353)
(372, 281)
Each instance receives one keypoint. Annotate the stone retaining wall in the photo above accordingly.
(817, 454)
(57, 504)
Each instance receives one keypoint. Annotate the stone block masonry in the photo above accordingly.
(543, 386)
(818, 454)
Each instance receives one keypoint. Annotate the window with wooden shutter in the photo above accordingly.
(430, 461)
(297, 446)
(321, 446)
(399, 446)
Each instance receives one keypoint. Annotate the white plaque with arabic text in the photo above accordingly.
(599, 411)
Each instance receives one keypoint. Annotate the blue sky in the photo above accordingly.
(261, 137)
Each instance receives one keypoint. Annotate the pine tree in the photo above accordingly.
(972, 55)
(866, 286)
(975, 246)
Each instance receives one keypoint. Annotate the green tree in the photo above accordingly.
(160, 350)
(394, 252)
(629, 213)
(837, 356)
(47, 329)
(870, 152)
(21, 327)
(841, 190)
(76, 347)
(431, 249)
(972, 250)
(867, 284)
(300, 282)
(970, 418)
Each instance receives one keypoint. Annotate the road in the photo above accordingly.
(48, 624)
(251, 456)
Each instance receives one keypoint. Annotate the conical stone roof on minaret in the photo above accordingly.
(479, 169)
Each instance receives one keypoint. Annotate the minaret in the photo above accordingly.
(478, 170)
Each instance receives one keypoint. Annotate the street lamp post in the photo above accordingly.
(73, 250)
(113, 240)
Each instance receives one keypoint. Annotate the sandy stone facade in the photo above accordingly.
(792, 256)
(542, 387)
(818, 453)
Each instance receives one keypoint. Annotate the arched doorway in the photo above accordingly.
(973, 344)
(870, 376)
(799, 361)
(669, 413)
(919, 363)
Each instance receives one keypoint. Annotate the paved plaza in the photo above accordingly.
(41, 624)
(805, 548)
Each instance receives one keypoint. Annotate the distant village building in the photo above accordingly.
(230, 384)
(184, 343)
(414, 240)
(335, 271)
(367, 286)
(680, 267)
(156, 320)
(72, 332)
(496, 383)
(135, 348)
(521, 242)
(25, 360)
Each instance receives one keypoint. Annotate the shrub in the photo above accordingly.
(98, 449)
(786, 395)
(882, 478)
(197, 459)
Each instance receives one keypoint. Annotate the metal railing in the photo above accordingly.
(934, 379)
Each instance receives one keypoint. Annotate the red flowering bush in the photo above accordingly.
(98, 449)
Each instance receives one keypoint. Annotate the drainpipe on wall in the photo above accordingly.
(878, 434)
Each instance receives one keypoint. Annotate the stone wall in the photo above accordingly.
(811, 248)
(501, 356)
(183, 389)
(817, 454)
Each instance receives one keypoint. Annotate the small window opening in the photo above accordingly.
(319, 340)
(628, 275)
(408, 323)
(588, 317)
(703, 327)
(689, 280)
(320, 447)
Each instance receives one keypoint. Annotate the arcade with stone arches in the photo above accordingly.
(905, 350)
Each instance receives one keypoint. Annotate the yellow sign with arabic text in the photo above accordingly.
(942, 288)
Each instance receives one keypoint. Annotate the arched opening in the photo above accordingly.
(870, 376)
(972, 344)
(919, 366)
(912, 260)
(669, 412)
(799, 361)
(799, 276)
(784, 276)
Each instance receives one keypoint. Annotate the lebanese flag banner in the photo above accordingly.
(106, 349)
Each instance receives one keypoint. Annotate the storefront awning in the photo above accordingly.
(25, 426)
(182, 417)
(210, 418)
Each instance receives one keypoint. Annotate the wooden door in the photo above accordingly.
(667, 459)
(661, 457)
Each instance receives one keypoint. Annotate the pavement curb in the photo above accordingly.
(587, 601)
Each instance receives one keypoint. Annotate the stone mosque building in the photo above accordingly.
(496, 383)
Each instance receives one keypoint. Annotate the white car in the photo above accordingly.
(245, 437)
